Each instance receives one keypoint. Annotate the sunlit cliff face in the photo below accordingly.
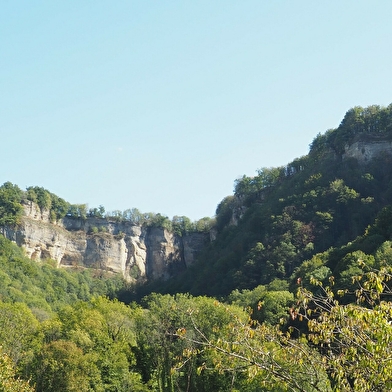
(139, 253)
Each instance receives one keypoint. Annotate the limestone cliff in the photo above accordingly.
(366, 150)
(138, 252)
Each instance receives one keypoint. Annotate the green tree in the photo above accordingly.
(155, 351)
(165, 331)
(274, 306)
(62, 366)
(134, 216)
(97, 212)
(343, 192)
(346, 347)
(244, 186)
(10, 204)
(247, 298)
(18, 332)
(224, 212)
(159, 220)
(355, 338)
(257, 357)
(9, 382)
(78, 211)
(204, 224)
(59, 207)
(41, 196)
(104, 330)
(182, 225)
(267, 177)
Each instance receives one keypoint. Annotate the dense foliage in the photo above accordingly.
(45, 288)
(268, 338)
(12, 199)
(283, 216)
(10, 206)
(302, 264)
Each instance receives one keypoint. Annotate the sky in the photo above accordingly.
(162, 105)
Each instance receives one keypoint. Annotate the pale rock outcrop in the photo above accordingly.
(139, 253)
(365, 151)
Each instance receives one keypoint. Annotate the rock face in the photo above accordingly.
(365, 151)
(139, 253)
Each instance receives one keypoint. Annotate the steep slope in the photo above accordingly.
(139, 253)
(265, 230)
(283, 216)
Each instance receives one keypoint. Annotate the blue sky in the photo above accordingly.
(161, 105)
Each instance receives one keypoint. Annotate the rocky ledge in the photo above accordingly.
(139, 253)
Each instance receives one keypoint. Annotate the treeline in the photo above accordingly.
(178, 224)
(12, 199)
(358, 122)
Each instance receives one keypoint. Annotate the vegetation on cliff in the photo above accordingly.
(12, 199)
(283, 216)
(301, 264)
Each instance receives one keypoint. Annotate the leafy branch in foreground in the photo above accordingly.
(346, 346)
(267, 357)
(356, 338)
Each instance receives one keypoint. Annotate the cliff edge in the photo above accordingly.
(139, 253)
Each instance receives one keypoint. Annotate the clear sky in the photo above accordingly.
(161, 105)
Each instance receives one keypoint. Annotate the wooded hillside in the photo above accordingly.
(293, 294)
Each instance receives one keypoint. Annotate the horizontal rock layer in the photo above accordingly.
(139, 253)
